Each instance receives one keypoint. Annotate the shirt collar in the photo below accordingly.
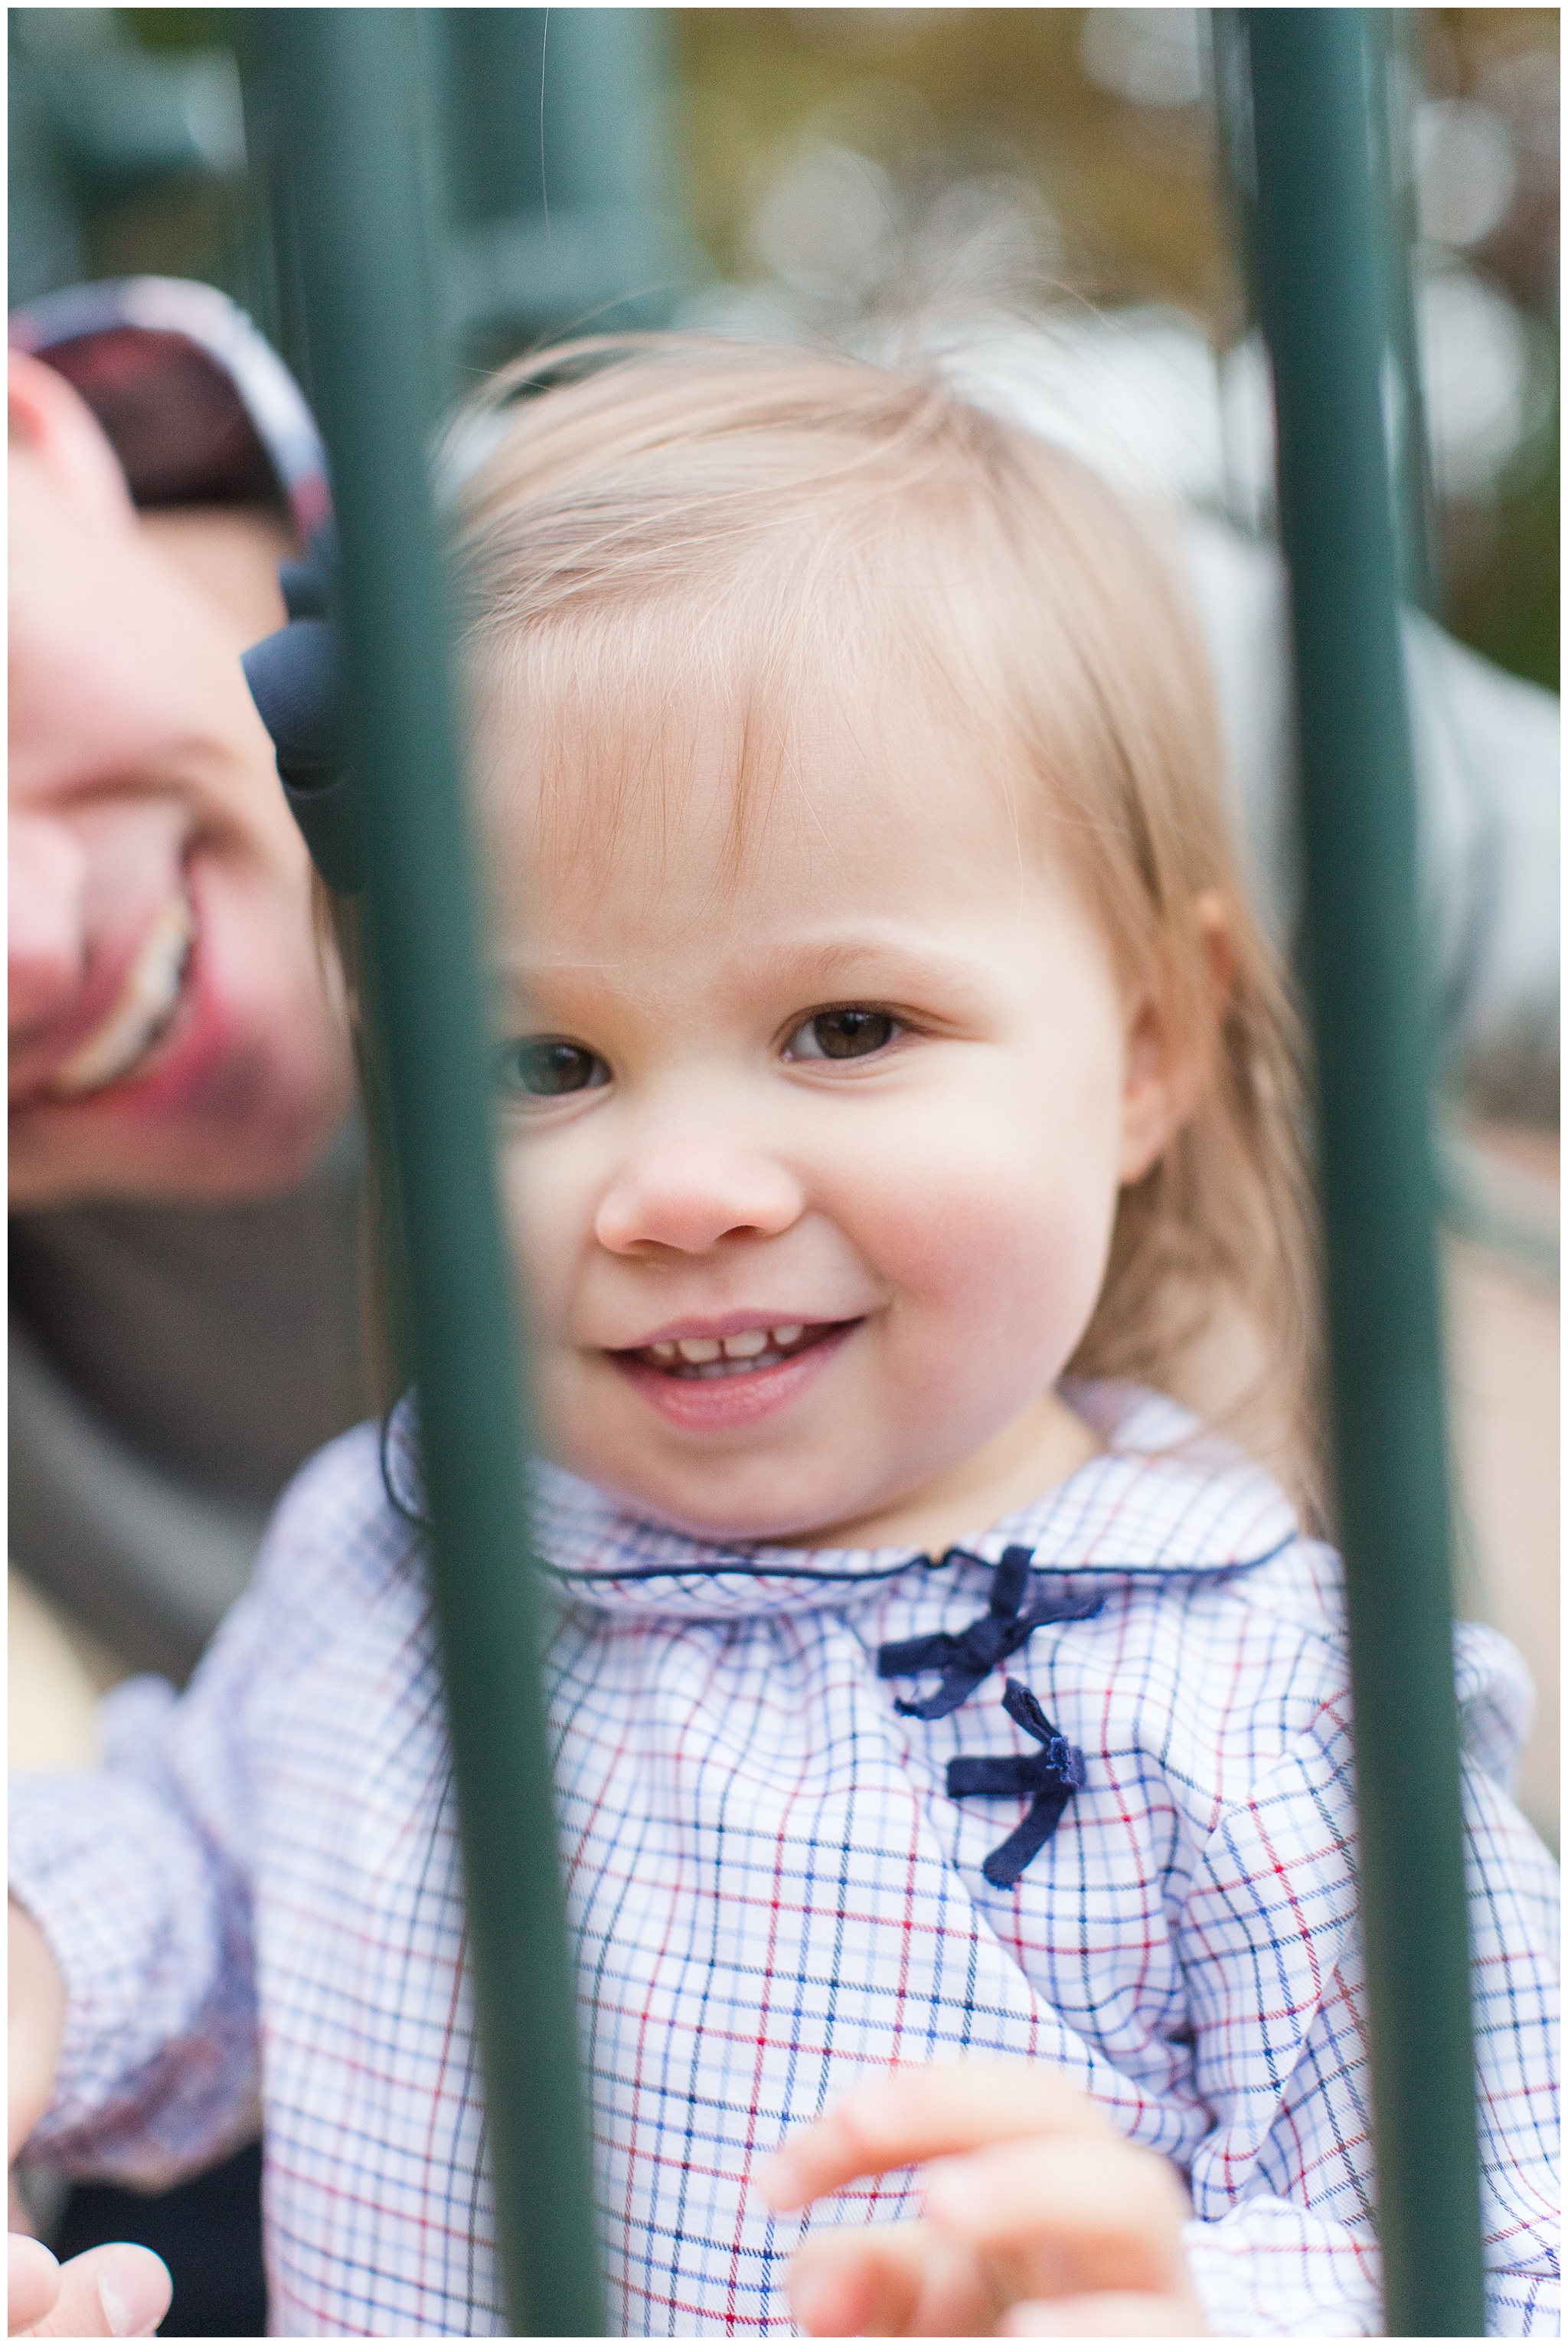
(1167, 1497)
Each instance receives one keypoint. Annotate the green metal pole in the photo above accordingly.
(1395, 69)
(1322, 291)
(348, 99)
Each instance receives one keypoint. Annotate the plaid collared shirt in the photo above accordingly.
(776, 1887)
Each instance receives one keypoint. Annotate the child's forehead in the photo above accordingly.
(741, 780)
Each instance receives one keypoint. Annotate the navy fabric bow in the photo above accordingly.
(965, 1659)
(1053, 1773)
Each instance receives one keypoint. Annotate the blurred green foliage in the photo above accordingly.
(968, 90)
(1503, 595)
(171, 30)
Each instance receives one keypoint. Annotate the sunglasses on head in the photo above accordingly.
(197, 405)
(201, 410)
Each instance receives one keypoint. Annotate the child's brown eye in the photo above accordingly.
(843, 1034)
(548, 1070)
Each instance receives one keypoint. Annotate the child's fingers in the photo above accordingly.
(33, 2282)
(113, 2291)
(1107, 2316)
(858, 2283)
(897, 2280)
(1066, 2217)
(913, 2114)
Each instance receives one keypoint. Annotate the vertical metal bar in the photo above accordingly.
(1322, 292)
(1395, 68)
(349, 103)
(562, 199)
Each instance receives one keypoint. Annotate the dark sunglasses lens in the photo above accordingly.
(172, 416)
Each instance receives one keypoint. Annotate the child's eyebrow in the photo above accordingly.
(814, 969)
(871, 964)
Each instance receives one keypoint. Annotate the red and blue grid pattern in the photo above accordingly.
(257, 1906)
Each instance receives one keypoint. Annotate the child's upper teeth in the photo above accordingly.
(706, 1350)
(140, 1011)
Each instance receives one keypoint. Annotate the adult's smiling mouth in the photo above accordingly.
(141, 1012)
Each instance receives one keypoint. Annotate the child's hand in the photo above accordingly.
(36, 2018)
(1039, 2219)
(119, 2292)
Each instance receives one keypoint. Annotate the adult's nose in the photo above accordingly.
(47, 928)
(690, 1194)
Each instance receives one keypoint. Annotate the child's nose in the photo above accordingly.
(690, 1194)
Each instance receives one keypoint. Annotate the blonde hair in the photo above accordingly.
(634, 515)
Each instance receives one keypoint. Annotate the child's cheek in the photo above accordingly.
(993, 1236)
(547, 1207)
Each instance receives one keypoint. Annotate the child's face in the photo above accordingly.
(812, 1166)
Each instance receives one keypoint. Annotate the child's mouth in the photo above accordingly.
(701, 1360)
(704, 1385)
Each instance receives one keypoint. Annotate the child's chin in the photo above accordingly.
(765, 1520)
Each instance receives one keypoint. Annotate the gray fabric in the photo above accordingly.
(170, 1368)
(148, 1565)
(1486, 749)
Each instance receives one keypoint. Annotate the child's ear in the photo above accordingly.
(1168, 1070)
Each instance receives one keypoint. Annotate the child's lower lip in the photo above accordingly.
(700, 1406)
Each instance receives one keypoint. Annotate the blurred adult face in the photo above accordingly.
(174, 1029)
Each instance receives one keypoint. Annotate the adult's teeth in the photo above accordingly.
(746, 1346)
(141, 1010)
(663, 1351)
(699, 1348)
(785, 1336)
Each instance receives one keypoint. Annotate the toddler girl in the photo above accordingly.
(952, 1736)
